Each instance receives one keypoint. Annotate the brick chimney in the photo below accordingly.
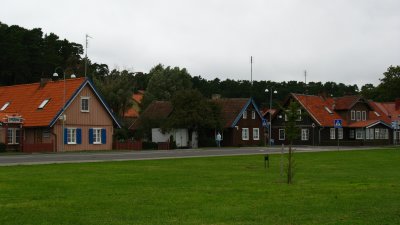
(397, 104)
(43, 82)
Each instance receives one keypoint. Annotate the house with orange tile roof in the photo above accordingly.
(133, 112)
(362, 123)
(54, 116)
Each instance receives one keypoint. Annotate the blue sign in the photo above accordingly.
(337, 123)
(264, 122)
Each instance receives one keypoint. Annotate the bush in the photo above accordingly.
(2, 147)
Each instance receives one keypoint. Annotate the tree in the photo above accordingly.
(389, 87)
(292, 132)
(117, 89)
(164, 82)
(193, 111)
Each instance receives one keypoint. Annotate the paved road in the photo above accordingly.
(49, 158)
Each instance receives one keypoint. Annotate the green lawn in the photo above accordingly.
(349, 187)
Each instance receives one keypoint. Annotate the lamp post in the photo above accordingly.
(270, 113)
(55, 74)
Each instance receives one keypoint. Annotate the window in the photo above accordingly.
(359, 133)
(256, 134)
(332, 133)
(369, 134)
(71, 135)
(5, 106)
(245, 133)
(299, 115)
(353, 115)
(364, 115)
(351, 134)
(304, 134)
(43, 104)
(386, 132)
(281, 134)
(328, 110)
(13, 136)
(253, 115)
(340, 133)
(358, 116)
(377, 114)
(96, 135)
(84, 104)
(377, 133)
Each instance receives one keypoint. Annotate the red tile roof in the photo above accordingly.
(137, 97)
(388, 109)
(346, 102)
(321, 110)
(26, 98)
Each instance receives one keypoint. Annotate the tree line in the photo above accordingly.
(28, 55)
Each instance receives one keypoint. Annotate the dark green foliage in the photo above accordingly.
(28, 55)
(193, 111)
(164, 82)
(2, 147)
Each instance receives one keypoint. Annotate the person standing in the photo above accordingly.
(218, 139)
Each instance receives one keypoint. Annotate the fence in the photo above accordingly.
(38, 147)
(128, 145)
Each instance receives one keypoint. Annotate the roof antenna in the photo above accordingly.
(86, 59)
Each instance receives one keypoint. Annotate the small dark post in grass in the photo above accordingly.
(266, 161)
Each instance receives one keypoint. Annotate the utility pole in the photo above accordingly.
(86, 58)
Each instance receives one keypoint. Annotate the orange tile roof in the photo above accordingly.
(26, 98)
(137, 97)
(318, 106)
(131, 113)
(389, 109)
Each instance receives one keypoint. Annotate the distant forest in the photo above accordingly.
(28, 55)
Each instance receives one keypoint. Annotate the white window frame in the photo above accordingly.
(340, 133)
(353, 115)
(299, 115)
(364, 115)
(253, 114)
(332, 133)
(88, 106)
(5, 106)
(359, 134)
(256, 133)
(358, 115)
(97, 135)
(377, 133)
(46, 133)
(305, 134)
(12, 137)
(245, 134)
(282, 134)
(71, 136)
(44, 103)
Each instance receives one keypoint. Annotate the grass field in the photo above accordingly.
(351, 187)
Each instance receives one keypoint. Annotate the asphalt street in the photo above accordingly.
(77, 157)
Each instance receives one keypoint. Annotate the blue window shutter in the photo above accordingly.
(103, 136)
(65, 136)
(79, 136)
(91, 136)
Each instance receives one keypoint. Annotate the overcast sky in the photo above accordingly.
(349, 41)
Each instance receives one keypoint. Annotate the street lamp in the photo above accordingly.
(270, 112)
(63, 116)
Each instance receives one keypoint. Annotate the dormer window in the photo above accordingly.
(44, 103)
(5, 106)
(358, 115)
(245, 115)
(253, 115)
(377, 114)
